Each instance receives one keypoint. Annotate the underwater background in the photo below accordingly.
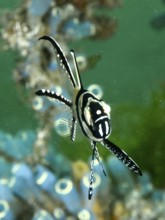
(120, 48)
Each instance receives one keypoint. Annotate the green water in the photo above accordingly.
(132, 67)
(132, 63)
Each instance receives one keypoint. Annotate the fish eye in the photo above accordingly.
(98, 112)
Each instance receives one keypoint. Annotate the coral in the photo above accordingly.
(58, 188)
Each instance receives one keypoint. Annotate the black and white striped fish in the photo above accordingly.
(92, 114)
